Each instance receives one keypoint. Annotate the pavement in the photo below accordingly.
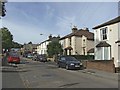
(103, 74)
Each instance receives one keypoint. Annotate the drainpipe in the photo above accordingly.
(110, 53)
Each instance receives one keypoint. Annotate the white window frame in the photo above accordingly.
(104, 33)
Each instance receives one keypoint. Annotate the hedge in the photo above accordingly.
(84, 57)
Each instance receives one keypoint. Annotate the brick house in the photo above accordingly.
(29, 48)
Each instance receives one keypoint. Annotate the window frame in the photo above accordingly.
(104, 33)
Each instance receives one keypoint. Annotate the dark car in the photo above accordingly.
(13, 57)
(30, 55)
(25, 55)
(41, 58)
(69, 62)
(34, 57)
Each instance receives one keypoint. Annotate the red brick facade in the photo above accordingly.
(103, 65)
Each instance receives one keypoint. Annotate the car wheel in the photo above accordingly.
(58, 66)
(67, 67)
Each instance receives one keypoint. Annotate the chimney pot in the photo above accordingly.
(74, 29)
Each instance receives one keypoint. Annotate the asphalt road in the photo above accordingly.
(33, 74)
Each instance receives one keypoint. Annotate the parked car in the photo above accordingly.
(25, 55)
(41, 58)
(34, 58)
(30, 55)
(13, 57)
(69, 62)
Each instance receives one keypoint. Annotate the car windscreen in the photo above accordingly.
(30, 54)
(70, 59)
(41, 56)
(14, 54)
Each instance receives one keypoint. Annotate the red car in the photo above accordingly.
(13, 58)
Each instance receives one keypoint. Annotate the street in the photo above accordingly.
(34, 74)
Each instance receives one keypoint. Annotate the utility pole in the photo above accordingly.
(2, 8)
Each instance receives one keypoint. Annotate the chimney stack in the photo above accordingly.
(74, 29)
(50, 36)
(86, 29)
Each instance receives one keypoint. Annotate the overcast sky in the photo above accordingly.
(27, 20)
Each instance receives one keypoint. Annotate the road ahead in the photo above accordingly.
(32, 74)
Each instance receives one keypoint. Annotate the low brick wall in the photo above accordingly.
(103, 65)
(50, 59)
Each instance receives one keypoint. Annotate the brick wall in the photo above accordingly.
(103, 65)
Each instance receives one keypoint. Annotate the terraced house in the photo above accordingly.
(79, 42)
(107, 41)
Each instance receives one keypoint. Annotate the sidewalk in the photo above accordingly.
(103, 74)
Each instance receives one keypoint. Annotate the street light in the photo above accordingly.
(41, 34)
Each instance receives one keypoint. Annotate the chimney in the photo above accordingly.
(50, 36)
(58, 36)
(74, 29)
(86, 29)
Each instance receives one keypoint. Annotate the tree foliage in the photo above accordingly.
(16, 45)
(7, 38)
(54, 48)
(30, 42)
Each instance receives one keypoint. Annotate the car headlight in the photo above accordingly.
(72, 64)
(81, 64)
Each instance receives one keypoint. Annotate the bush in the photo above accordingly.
(84, 57)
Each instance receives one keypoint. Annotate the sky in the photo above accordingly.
(27, 20)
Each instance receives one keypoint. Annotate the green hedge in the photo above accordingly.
(84, 57)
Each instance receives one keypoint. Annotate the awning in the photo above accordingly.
(69, 48)
(91, 50)
(103, 44)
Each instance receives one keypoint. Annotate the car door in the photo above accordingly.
(63, 62)
(60, 61)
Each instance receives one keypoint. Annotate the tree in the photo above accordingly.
(7, 38)
(16, 45)
(54, 48)
(30, 42)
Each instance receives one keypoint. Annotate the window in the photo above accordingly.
(103, 33)
(70, 40)
(62, 59)
(106, 53)
(84, 42)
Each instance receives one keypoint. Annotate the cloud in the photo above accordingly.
(64, 23)
(50, 11)
(24, 33)
(50, 18)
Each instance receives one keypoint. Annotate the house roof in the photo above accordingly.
(44, 41)
(50, 39)
(91, 50)
(103, 44)
(80, 33)
(115, 20)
